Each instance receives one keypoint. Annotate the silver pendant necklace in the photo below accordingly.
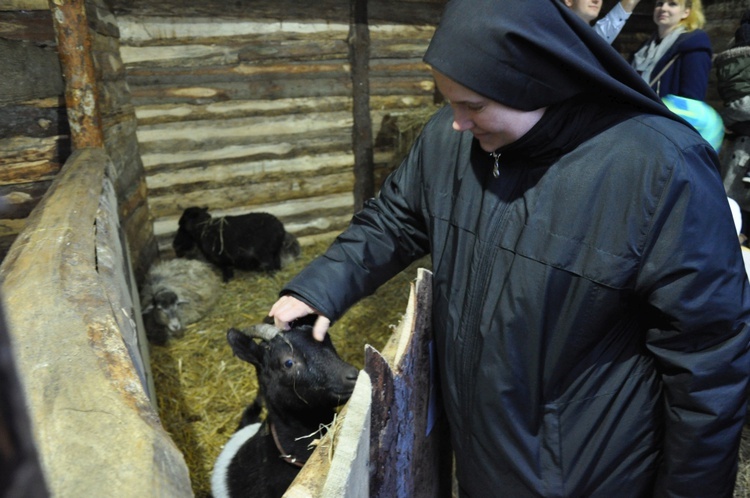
(496, 167)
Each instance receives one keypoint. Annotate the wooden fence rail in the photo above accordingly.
(73, 319)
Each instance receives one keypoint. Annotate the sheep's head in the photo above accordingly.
(192, 216)
(164, 310)
(188, 228)
(295, 371)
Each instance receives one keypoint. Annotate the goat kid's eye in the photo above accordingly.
(289, 363)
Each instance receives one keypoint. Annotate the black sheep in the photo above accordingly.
(301, 382)
(252, 241)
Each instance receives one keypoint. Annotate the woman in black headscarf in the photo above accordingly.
(590, 306)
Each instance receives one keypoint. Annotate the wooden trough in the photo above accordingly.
(82, 360)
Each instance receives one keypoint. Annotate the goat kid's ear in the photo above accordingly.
(244, 347)
(147, 309)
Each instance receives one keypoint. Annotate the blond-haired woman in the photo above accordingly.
(676, 59)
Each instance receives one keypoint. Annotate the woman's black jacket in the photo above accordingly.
(590, 312)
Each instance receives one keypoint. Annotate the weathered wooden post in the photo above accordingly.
(359, 55)
(74, 48)
(410, 453)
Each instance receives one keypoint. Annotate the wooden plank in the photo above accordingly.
(258, 155)
(22, 149)
(222, 92)
(219, 91)
(182, 72)
(33, 120)
(244, 127)
(139, 29)
(114, 266)
(24, 5)
(28, 172)
(291, 170)
(305, 49)
(186, 72)
(185, 30)
(410, 452)
(165, 113)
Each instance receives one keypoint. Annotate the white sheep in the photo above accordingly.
(176, 293)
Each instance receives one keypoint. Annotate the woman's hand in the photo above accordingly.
(288, 308)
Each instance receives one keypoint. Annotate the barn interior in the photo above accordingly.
(115, 116)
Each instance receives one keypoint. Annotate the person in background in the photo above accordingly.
(733, 80)
(590, 313)
(733, 84)
(676, 59)
(676, 62)
(609, 26)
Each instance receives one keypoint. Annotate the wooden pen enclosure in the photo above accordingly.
(238, 106)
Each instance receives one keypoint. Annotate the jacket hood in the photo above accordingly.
(529, 54)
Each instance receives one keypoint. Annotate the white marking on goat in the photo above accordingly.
(219, 486)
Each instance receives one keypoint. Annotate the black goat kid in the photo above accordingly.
(301, 382)
(252, 241)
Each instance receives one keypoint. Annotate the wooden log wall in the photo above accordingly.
(34, 133)
(252, 110)
(34, 130)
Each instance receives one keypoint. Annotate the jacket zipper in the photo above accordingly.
(472, 341)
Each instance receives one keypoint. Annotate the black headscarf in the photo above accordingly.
(529, 54)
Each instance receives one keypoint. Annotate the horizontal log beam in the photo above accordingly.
(24, 5)
(29, 72)
(59, 282)
(230, 195)
(158, 113)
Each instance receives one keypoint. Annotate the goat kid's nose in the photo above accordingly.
(352, 374)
